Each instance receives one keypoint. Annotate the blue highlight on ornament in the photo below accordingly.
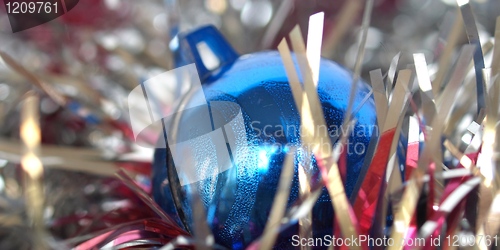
(264, 154)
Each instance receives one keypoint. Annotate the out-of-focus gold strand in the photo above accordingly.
(490, 147)
(444, 61)
(32, 166)
(279, 204)
(348, 14)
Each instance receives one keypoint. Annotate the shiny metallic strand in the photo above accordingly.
(414, 32)
(412, 192)
(279, 204)
(473, 36)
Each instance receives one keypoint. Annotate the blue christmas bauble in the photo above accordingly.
(238, 193)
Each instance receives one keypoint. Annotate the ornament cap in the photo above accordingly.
(209, 50)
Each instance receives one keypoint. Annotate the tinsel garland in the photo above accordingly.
(434, 166)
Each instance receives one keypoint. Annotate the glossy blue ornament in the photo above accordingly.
(238, 200)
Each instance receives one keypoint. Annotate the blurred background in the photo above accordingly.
(104, 48)
(101, 49)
